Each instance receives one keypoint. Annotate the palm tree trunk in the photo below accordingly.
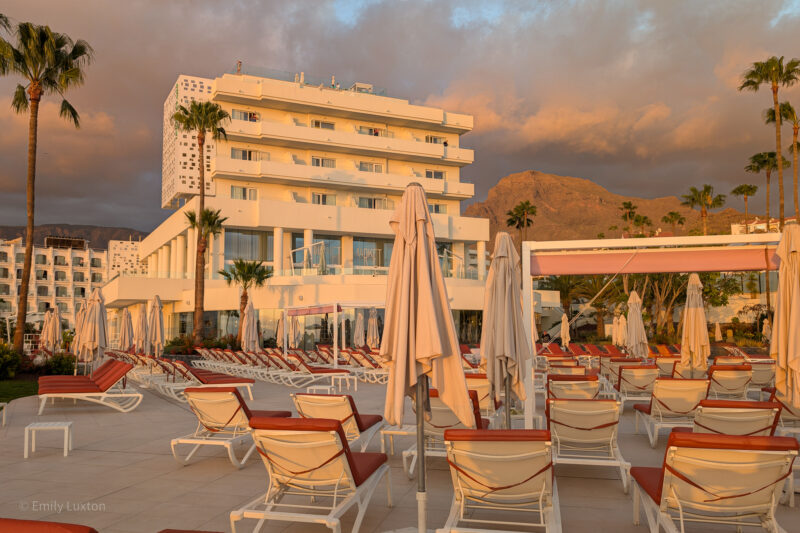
(242, 305)
(22, 305)
(601, 324)
(778, 123)
(746, 226)
(795, 130)
(704, 216)
(769, 225)
(200, 263)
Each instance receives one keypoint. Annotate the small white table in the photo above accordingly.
(31, 429)
(338, 379)
(4, 406)
(391, 431)
(315, 389)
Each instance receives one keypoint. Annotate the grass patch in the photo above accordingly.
(17, 388)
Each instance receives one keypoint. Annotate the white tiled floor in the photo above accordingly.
(121, 466)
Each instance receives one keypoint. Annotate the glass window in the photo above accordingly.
(333, 249)
(79, 292)
(248, 245)
(366, 166)
(434, 174)
(78, 276)
(61, 275)
(96, 262)
(62, 307)
(41, 259)
(323, 124)
(41, 274)
(242, 193)
(3, 272)
(3, 256)
(368, 202)
(5, 305)
(241, 114)
(437, 208)
(323, 162)
(78, 261)
(97, 277)
(20, 257)
(42, 291)
(323, 198)
(61, 291)
(19, 273)
(372, 252)
(373, 131)
(5, 289)
(43, 306)
(243, 154)
(60, 260)
(445, 251)
(435, 139)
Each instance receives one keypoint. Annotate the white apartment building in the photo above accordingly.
(307, 180)
(63, 274)
(759, 225)
(123, 258)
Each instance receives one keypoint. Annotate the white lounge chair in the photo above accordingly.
(635, 383)
(223, 420)
(359, 429)
(573, 387)
(584, 432)
(729, 381)
(732, 417)
(309, 461)
(672, 404)
(499, 473)
(714, 479)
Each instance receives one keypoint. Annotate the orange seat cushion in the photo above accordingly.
(364, 464)
(364, 422)
(67, 388)
(650, 479)
(38, 526)
(642, 407)
(271, 414)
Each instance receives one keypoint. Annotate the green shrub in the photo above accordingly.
(9, 362)
(61, 364)
(179, 345)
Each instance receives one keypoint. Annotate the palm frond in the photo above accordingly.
(20, 101)
(69, 113)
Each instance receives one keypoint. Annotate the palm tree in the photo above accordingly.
(704, 199)
(775, 73)
(519, 217)
(200, 118)
(766, 161)
(788, 114)
(640, 221)
(50, 63)
(675, 219)
(4, 23)
(246, 274)
(745, 190)
(628, 213)
(210, 223)
(604, 294)
(567, 287)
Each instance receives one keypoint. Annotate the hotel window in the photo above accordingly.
(78, 276)
(437, 208)
(41, 275)
(323, 124)
(367, 202)
(97, 277)
(372, 252)
(248, 155)
(242, 193)
(435, 139)
(247, 116)
(60, 260)
(62, 307)
(5, 306)
(434, 174)
(366, 166)
(3, 257)
(96, 262)
(19, 273)
(79, 292)
(3, 273)
(78, 262)
(61, 292)
(41, 291)
(5, 289)
(20, 257)
(248, 245)
(61, 275)
(333, 249)
(323, 198)
(372, 131)
(41, 259)
(43, 306)
(324, 162)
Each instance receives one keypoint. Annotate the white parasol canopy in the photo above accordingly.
(125, 330)
(279, 333)
(94, 330)
(80, 312)
(785, 344)
(54, 331)
(295, 336)
(615, 330)
(373, 339)
(564, 331)
(250, 328)
(695, 346)
(44, 333)
(504, 347)
(358, 332)
(717, 333)
(419, 338)
(140, 337)
(155, 328)
(622, 331)
(636, 337)
(766, 330)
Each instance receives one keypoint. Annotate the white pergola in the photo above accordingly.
(712, 253)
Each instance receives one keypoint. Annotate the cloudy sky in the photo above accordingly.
(638, 96)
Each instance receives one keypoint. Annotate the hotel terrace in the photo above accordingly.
(307, 179)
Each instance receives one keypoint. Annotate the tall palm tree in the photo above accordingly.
(766, 161)
(201, 118)
(640, 221)
(775, 73)
(520, 217)
(628, 213)
(704, 199)
(209, 224)
(604, 296)
(788, 114)
(745, 190)
(50, 63)
(246, 274)
(674, 219)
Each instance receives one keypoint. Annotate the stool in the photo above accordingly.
(4, 406)
(338, 379)
(31, 430)
(315, 389)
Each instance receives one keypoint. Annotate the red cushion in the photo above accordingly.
(563, 377)
(731, 442)
(643, 407)
(37, 526)
(213, 379)
(66, 388)
(740, 404)
(314, 370)
(650, 479)
(365, 422)
(364, 464)
(493, 435)
(270, 414)
(683, 430)
(114, 374)
(719, 368)
(475, 375)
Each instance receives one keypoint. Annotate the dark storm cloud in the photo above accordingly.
(638, 96)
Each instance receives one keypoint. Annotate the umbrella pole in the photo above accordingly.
(508, 401)
(422, 495)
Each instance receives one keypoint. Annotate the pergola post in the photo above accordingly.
(335, 335)
(527, 320)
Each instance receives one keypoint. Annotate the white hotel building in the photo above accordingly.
(307, 179)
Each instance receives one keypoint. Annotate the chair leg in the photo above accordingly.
(636, 496)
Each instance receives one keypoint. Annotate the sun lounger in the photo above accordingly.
(217, 379)
(41, 526)
(566, 370)
(687, 372)
(729, 360)
(635, 383)
(732, 417)
(714, 479)
(666, 365)
(510, 471)
(223, 420)
(585, 432)
(763, 376)
(572, 387)
(672, 404)
(310, 462)
(729, 381)
(489, 406)
(98, 388)
(790, 416)
(359, 429)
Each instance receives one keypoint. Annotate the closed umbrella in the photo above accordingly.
(155, 327)
(504, 347)
(44, 332)
(279, 333)
(615, 330)
(766, 330)
(358, 334)
(635, 336)
(564, 332)
(54, 332)
(140, 336)
(250, 328)
(785, 344)
(125, 330)
(695, 347)
(80, 311)
(622, 331)
(419, 337)
(94, 330)
(373, 338)
(717, 333)
(294, 333)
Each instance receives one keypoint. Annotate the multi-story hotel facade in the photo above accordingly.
(307, 180)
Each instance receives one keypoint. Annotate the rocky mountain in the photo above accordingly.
(98, 236)
(575, 208)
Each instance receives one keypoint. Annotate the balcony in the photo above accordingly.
(350, 142)
(290, 173)
(249, 90)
